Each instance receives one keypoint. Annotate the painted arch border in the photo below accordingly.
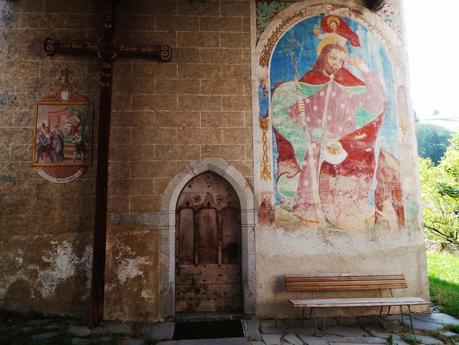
(261, 62)
(168, 223)
(300, 11)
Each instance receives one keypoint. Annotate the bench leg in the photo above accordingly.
(323, 316)
(411, 318)
(315, 321)
(401, 317)
(302, 319)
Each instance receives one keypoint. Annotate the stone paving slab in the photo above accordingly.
(346, 331)
(293, 339)
(396, 340)
(400, 342)
(53, 326)
(251, 329)
(39, 322)
(79, 331)
(427, 322)
(106, 339)
(113, 327)
(359, 343)
(424, 325)
(271, 339)
(79, 341)
(272, 330)
(220, 341)
(27, 329)
(333, 338)
(442, 318)
(134, 342)
(159, 331)
(310, 340)
(449, 334)
(44, 336)
(300, 330)
(426, 340)
(375, 340)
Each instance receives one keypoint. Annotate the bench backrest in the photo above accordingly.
(345, 282)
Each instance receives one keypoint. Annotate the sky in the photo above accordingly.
(432, 30)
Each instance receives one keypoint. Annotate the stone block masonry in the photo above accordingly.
(191, 107)
(163, 115)
(45, 228)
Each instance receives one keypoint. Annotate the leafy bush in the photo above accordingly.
(440, 195)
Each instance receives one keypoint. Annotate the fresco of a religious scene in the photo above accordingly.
(62, 134)
(334, 125)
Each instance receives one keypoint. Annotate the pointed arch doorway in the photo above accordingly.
(208, 247)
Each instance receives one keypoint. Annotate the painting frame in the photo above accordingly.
(63, 134)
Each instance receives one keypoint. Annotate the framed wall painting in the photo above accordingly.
(62, 140)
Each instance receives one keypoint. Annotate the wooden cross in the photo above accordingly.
(107, 50)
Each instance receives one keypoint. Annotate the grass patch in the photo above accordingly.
(410, 339)
(444, 281)
(453, 328)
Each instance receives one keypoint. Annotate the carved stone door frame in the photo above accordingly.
(168, 223)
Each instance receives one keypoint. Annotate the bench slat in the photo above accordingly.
(357, 302)
(300, 288)
(344, 277)
(345, 282)
(355, 282)
(333, 288)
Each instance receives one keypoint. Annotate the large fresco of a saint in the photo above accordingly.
(334, 126)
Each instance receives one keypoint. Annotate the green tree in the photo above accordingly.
(432, 141)
(440, 195)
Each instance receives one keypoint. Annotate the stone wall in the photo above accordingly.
(323, 213)
(45, 228)
(163, 115)
(166, 118)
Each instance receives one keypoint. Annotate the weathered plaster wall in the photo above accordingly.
(165, 115)
(304, 244)
(132, 273)
(311, 252)
(45, 228)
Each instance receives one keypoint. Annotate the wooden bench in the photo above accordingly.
(350, 282)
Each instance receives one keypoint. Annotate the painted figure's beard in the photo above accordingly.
(331, 70)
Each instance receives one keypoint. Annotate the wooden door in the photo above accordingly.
(208, 247)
